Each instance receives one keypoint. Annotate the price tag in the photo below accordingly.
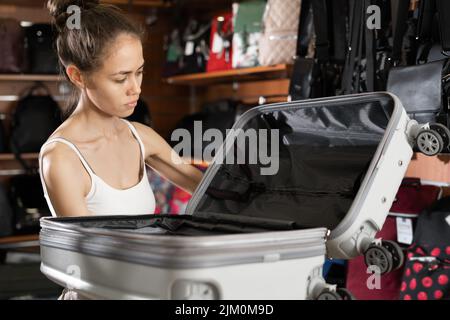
(404, 230)
(189, 48)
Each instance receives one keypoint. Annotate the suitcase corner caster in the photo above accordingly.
(387, 256)
(433, 140)
(339, 294)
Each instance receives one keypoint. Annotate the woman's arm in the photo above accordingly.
(161, 157)
(65, 182)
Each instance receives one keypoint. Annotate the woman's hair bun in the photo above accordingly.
(58, 8)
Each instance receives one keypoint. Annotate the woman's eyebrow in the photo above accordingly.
(127, 72)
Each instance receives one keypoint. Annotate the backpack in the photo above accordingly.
(34, 119)
(427, 270)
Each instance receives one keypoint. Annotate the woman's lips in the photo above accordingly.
(131, 104)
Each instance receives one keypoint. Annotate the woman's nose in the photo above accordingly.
(135, 88)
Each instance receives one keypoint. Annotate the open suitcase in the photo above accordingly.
(249, 233)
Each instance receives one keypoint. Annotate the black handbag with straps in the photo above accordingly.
(33, 120)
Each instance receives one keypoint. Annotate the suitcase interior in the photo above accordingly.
(325, 150)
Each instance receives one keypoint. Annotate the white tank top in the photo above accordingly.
(103, 199)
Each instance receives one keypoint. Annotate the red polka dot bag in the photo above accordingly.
(427, 270)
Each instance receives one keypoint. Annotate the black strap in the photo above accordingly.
(443, 9)
(340, 13)
(305, 13)
(321, 28)
(399, 13)
(356, 7)
(370, 53)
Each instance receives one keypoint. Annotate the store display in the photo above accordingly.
(221, 43)
(427, 267)
(247, 20)
(280, 28)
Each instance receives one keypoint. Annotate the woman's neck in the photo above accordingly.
(96, 122)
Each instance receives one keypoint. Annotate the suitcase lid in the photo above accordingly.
(327, 151)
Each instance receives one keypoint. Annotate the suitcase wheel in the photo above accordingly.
(329, 295)
(396, 251)
(379, 256)
(339, 294)
(431, 141)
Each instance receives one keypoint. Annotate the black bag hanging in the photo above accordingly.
(28, 202)
(6, 215)
(34, 119)
(443, 8)
(420, 89)
(40, 39)
(427, 268)
(12, 46)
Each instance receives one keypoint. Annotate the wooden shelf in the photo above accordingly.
(140, 3)
(23, 241)
(26, 156)
(30, 77)
(234, 75)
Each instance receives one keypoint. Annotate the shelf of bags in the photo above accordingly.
(21, 241)
(233, 75)
(25, 156)
(30, 77)
(141, 3)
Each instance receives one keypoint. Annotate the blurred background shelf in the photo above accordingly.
(30, 77)
(234, 75)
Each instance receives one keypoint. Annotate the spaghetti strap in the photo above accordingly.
(138, 138)
(74, 148)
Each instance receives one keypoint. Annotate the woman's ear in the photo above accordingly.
(75, 76)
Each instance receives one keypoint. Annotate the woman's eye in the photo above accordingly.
(121, 80)
(140, 73)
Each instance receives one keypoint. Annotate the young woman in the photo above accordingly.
(94, 163)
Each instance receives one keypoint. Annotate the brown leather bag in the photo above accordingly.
(12, 46)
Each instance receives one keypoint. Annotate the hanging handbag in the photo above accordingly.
(221, 53)
(247, 20)
(12, 46)
(280, 32)
(34, 119)
(420, 89)
(42, 55)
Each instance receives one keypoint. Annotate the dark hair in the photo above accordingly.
(85, 47)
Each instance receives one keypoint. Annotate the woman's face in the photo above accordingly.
(115, 87)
